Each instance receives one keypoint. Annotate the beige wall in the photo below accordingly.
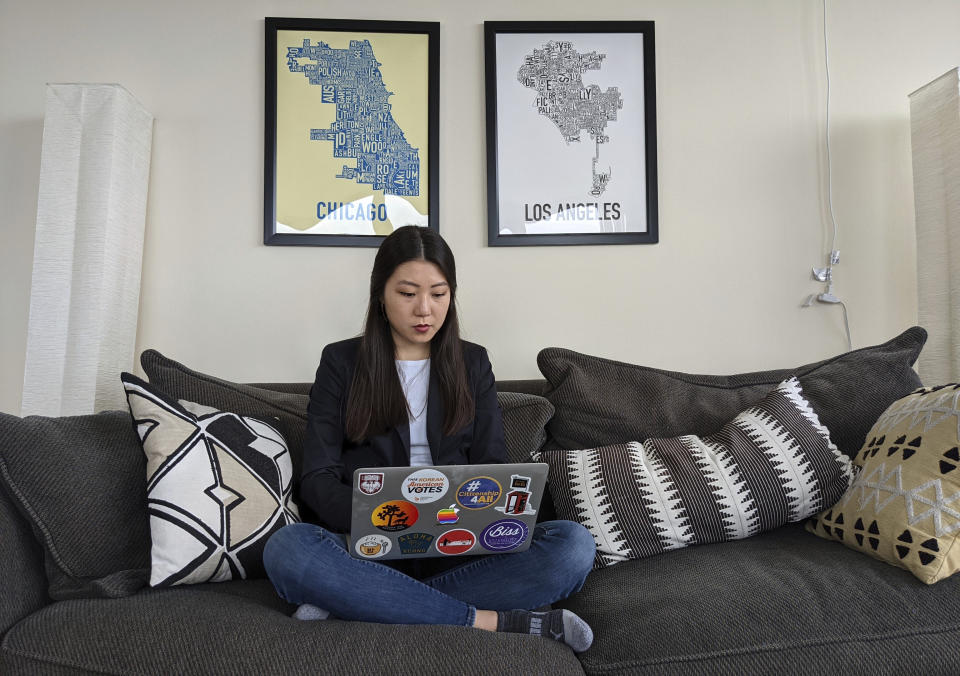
(740, 98)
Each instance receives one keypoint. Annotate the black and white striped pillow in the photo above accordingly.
(772, 464)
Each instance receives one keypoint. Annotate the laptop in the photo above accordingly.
(447, 510)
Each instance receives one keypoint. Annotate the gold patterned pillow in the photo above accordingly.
(904, 505)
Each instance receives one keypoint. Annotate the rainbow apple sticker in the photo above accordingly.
(448, 516)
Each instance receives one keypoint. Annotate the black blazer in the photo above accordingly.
(329, 459)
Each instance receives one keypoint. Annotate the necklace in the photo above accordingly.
(407, 382)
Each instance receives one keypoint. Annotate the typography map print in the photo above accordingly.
(570, 133)
(352, 132)
(556, 73)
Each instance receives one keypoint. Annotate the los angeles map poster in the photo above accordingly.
(351, 136)
(571, 133)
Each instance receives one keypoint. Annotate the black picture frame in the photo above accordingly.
(528, 65)
(369, 122)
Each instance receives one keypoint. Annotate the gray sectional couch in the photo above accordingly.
(74, 551)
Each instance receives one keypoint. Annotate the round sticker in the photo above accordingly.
(456, 541)
(479, 492)
(373, 546)
(394, 515)
(503, 535)
(425, 485)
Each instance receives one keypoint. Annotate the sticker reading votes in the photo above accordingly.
(425, 485)
(503, 535)
(456, 541)
(479, 492)
(373, 546)
(394, 515)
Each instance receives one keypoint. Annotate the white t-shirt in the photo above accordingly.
(415, 380)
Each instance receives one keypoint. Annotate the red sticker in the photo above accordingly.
(456, 541)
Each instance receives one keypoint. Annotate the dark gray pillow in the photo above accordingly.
(524, 415)
(81, 483)
(524, 423)
(600, 401)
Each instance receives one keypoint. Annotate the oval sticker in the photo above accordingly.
(425, 485)
(394, 515)
(478, 492)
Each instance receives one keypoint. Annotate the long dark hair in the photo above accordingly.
(376, 402)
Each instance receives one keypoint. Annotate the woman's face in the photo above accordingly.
(416, 298)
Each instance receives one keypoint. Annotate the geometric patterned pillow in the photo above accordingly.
(773, 463)
(218, 485)
(904, 506)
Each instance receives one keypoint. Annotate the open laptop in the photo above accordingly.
(447, 510)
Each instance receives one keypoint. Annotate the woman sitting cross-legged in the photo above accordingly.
(410, 392)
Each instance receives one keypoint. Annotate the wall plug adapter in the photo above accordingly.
(828, 297)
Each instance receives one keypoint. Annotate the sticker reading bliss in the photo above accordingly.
(394, 515)
(479, 492)
(425, 485)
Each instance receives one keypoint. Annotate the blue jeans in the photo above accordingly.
(309, 564)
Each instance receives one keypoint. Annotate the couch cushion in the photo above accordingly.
(904, 507)
(601, 401)
(244, 628)
(218, 486)
(23, 586)
(772, 464)
(80, 482)
(781, 602)
(524, 415)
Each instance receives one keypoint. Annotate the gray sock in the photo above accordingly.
(308, 611)
(559, 625)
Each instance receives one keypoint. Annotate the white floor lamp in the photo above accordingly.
(91, 211)
(935, 137)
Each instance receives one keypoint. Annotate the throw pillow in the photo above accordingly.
(181, 382)
(600, 401)
(218, 486)
(78, 481)
(773, 463)
(904, 506)
(524, 423)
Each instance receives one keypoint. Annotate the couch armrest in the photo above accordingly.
(23, 585)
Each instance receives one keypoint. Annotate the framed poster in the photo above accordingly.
(352, 130)
(571, 132)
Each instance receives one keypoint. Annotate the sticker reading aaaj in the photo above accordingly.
(503, 535)
(394, 515)
(456, 541)
(425, 485)
(414, 543)
(370, 483)
(479, 492)
(373, 546)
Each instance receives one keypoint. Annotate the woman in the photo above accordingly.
(410, 392)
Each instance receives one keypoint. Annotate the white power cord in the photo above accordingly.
(826, 274)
